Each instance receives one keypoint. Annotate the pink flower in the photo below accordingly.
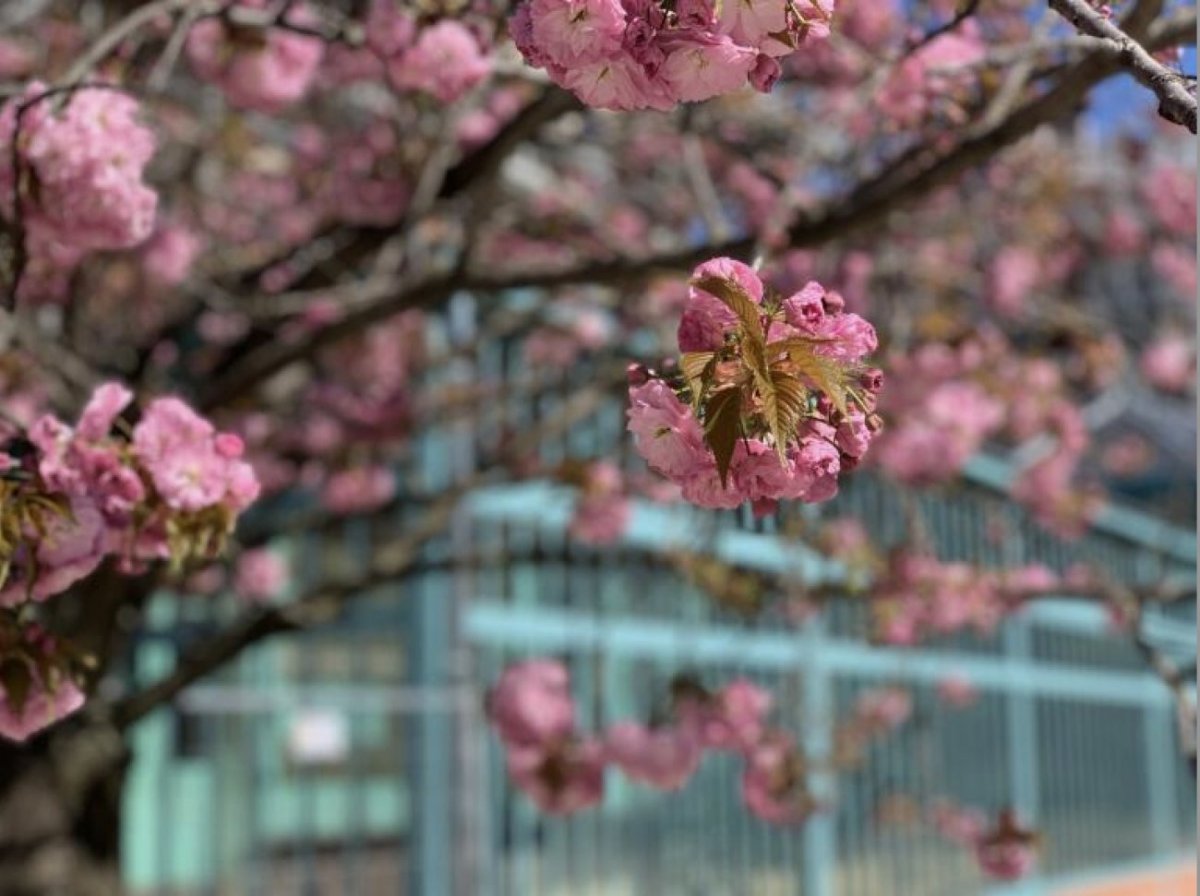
(1177, 266)
(600, 519)
(574, 33)
(957, 824)
(1013, 275)
(751, 22)
(101, 411)
(168, 255)
(774, 786)
(1008, 852)
(884, 709)
(957, 691)
(704, 489)
(268, 74)
(765, 73)
(758, 473)
(44, 705)
(1169, 363)
(1123, 233)
(731, 719)
(563, 779)
(817, 463)
(667, 434)
(358, 490)
(662, 758)
(618, 84)
(737, 272)
(531, 705)
(191, 466)
(71, 548)
(87, 161)
(446, 61)
(850, 337)
(261, 574)
(704, 69)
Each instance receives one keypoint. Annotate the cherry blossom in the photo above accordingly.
(531, 704)
(265, 70)
(643, 54)
(664, 758)
(88, 159)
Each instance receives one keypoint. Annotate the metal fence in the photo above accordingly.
(355, 759)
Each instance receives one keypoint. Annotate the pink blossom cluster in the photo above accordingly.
(671, 437)
(37, 684)
(168, 256)
(1169, 362)
(1004, 850)
(444, 58)
(646, 54)
(876, 713)
(933, 78)
(260, 574)
(603, 509)
(941, 414)
(81, 158)
(1047, 486)
(562, 768)
(172, 490)
(922, 596)
(266, 68)
(957, 690)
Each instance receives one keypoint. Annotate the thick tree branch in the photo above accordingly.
(1176, 97)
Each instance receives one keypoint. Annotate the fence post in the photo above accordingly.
(1021, 718)
(431, 764)
(1161, 769)
(819, 838)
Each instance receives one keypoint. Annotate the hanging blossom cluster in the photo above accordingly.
(39, 679)
(1005, 850)
(603, 509)
(266, 69)
(170, 489)
(269, 67)
(922, 596)
(775, 399)
(561, 768)
(648, 54)
(80, 160)
(949, 400)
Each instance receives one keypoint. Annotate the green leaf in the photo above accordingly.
(722, 425)
(697, 370)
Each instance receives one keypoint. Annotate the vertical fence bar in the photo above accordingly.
(819, 843)
(430, 771)
(1161, 768)
(1021, 721)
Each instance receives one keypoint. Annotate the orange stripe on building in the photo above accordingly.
(1179, 881)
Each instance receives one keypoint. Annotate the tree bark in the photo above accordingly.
(60, 813)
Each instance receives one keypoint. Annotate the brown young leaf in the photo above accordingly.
(722, 425)
(784, 407)
(697, 370)
(817, 370)
(737, 300)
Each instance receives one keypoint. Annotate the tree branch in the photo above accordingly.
(1176, 99)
